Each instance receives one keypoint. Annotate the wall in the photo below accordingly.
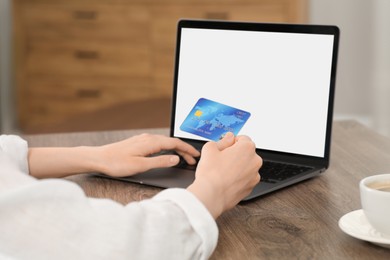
(380, 70)
(363, 79)
(6, 95)
(353, 17)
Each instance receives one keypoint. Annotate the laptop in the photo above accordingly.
(272, 82)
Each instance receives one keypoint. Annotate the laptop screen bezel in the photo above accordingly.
(266, 27)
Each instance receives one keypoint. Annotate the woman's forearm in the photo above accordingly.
(52, 162)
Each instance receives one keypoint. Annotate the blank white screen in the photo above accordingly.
(282, 79)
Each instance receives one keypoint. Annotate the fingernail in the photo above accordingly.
(174, 159)
(228, 135)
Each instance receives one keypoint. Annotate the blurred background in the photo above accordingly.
(72, 65)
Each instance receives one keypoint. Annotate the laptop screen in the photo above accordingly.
(273, 86)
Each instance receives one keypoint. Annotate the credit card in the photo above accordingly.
(212, 120)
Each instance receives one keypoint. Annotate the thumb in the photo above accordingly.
(227, 141)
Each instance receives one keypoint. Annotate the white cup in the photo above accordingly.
(375, 199)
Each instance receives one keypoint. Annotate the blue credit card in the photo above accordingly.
(212, 120)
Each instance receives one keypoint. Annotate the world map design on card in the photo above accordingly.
(212, 120)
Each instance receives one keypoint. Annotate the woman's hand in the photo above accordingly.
(226, 173)
(130, 156)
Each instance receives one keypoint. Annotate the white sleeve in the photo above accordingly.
(16, 149)
(53, 219)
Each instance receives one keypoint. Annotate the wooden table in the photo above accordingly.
(298, 222)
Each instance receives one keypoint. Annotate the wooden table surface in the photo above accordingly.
(298, 222)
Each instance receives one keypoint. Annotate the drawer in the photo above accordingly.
(85, 21)
(102, 89)
(52, 100)
(94, 58)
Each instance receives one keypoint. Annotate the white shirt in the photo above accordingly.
(53, 219)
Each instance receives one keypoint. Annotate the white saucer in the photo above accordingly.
(356, 225)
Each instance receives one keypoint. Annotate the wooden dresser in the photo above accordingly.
(81, 56)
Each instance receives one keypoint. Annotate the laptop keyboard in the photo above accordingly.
(273, 172)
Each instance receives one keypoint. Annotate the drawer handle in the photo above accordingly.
(88, 93)
(217, 15)
(87, 55)
(85, 15)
